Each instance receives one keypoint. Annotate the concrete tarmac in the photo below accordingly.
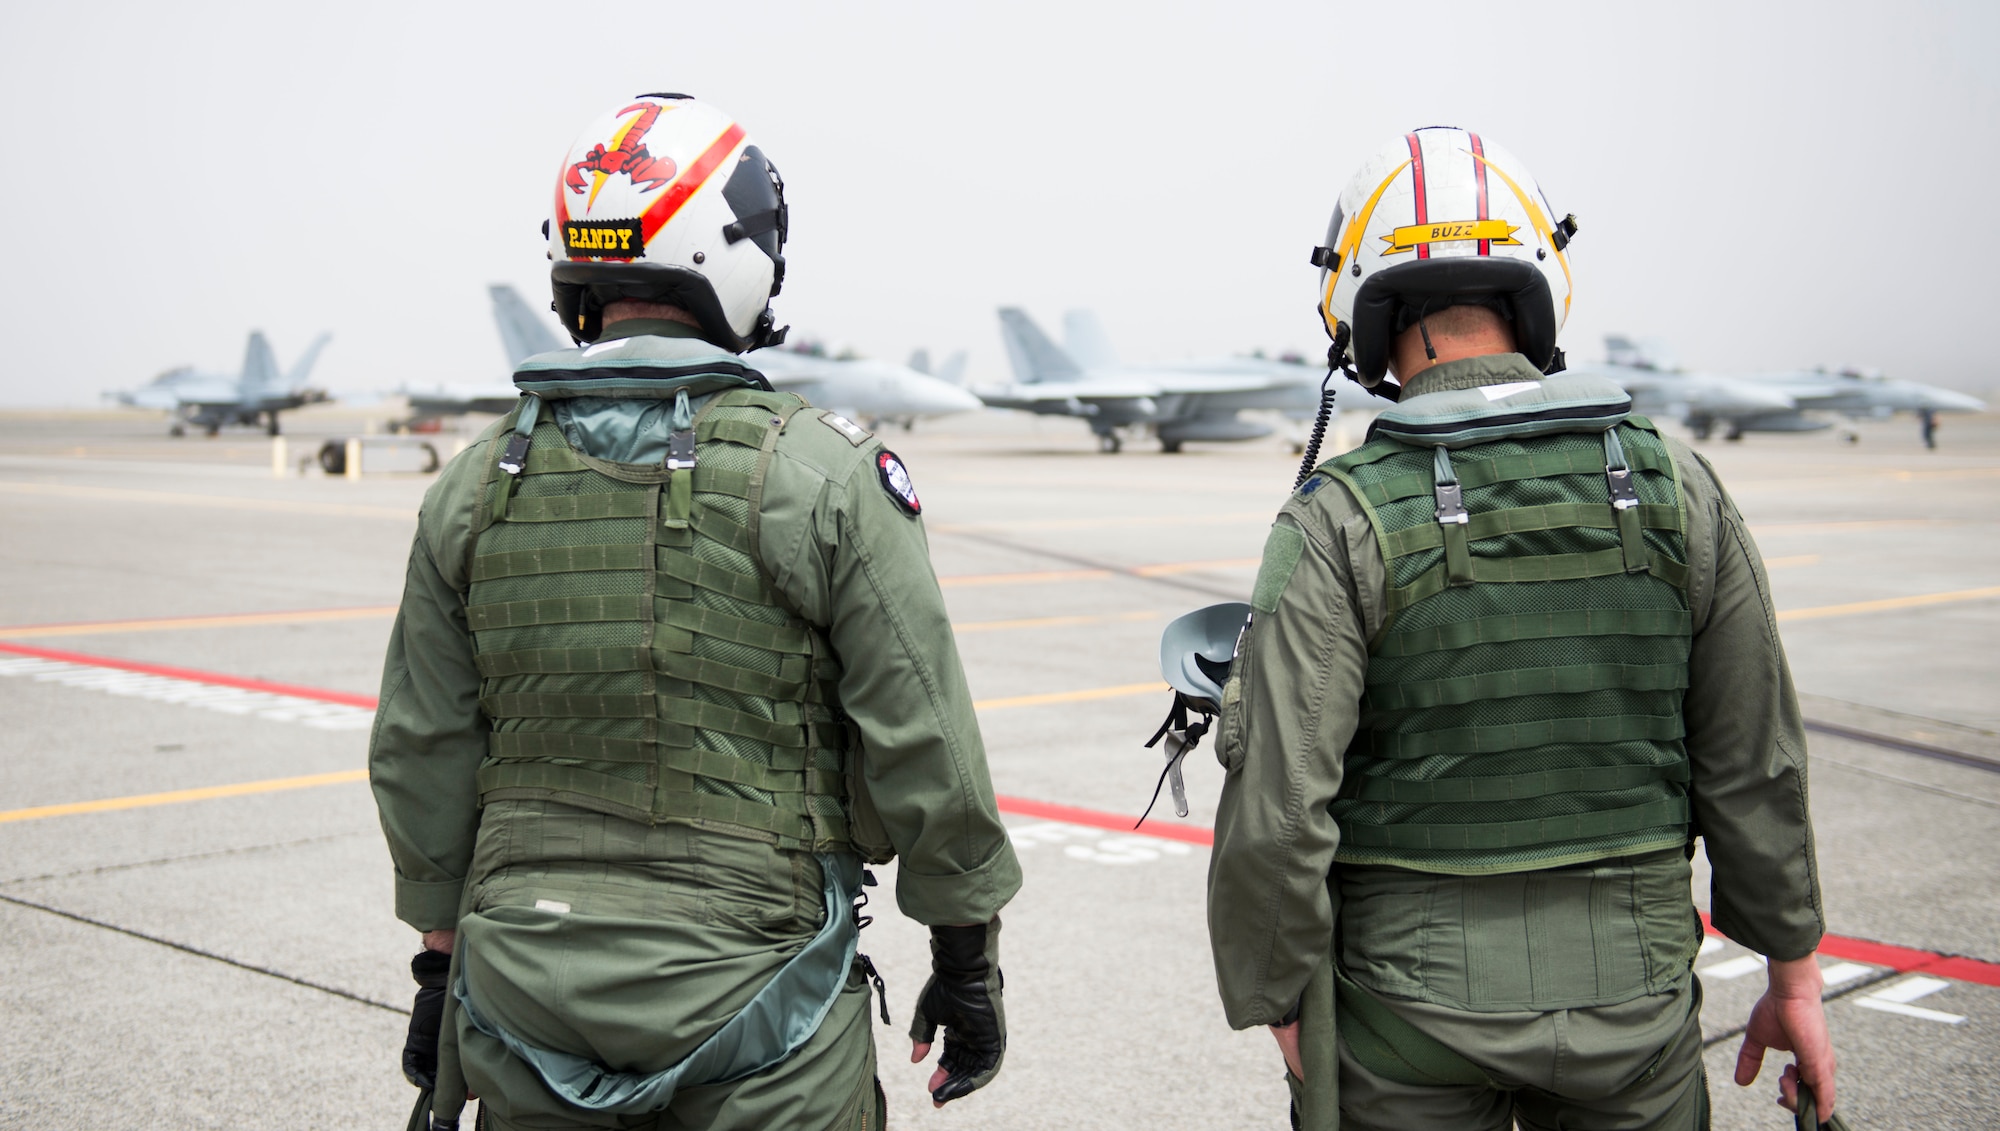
(195, 918)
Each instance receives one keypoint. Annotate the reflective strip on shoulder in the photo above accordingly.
(1281, 556)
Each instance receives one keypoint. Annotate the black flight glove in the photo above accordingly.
(420, 1050)
(963, 996)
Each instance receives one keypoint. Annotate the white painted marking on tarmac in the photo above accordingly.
(1709, 945)
(1733, 968)
(187, 693)
(1897, 998)
(1842, 972)
(1103, 848)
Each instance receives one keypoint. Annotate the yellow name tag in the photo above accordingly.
(1409, 236)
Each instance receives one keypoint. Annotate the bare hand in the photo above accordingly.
(440, 940)
(1789, 1018)
(1287, 1037)
(920, 1050)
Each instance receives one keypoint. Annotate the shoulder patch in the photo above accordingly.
(1309, 486)
(896, 482)
(855, 434)
(1281, 557)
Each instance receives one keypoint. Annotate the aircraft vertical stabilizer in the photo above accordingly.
(302, 368)
(523, 334)
(1035, 358)
(260, 366)
(1086, 341)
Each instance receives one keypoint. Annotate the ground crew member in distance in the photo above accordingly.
(671, 664)
(1506, 661)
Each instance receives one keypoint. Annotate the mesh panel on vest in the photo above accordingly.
(1508, 725)
(636, 661)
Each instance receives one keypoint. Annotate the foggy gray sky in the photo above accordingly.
(1761, 185)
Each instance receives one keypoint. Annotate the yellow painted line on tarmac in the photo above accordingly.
(1031, 577)
(164, 624)
(179, 796)
(343, 777)
(1773, 529)
(1794, 560)
(1888, 603)
(1108, 521)
(1166, 568)
(1085, 695)
(1050, 622)
(225, 502)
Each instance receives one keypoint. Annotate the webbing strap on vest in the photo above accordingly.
(636, 659)
(1522, 698)
(779, 1020)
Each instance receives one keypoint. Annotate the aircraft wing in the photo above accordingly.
(452, 400)
(866, 387)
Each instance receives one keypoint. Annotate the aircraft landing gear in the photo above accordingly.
(177, 429)
(213, 431)
(1703, 427)
(1109, 443)
(1170, 446)
(1734, 434)
(271, 426)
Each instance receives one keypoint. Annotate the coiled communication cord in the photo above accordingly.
(1336, 362)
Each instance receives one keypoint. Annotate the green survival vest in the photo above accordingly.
(1522, 705)
(635, 659)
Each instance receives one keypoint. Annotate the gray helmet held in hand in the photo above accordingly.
(1197, 649)
(1195, 654)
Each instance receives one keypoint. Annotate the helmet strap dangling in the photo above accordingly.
(1424, 329)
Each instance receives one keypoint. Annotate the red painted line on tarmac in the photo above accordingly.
(1902, 959)
(1021, 806)
(190, 675)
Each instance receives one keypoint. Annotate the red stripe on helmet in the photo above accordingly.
(1479, 175)
(1423, 207)
(689, 182)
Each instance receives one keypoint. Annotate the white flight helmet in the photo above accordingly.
(667, 200)
(1441, 217)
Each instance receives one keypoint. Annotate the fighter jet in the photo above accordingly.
(868, 390)
(1175, 401)
(1775, 402)
(210, 400)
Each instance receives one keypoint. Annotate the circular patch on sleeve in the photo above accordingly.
(896, 482)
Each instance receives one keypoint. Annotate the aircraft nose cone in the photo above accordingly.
(1945, 400)
(950, 398)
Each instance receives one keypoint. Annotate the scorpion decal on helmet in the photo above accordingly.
(630, 157)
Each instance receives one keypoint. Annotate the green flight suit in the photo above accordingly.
(629, 943)
(1570, 989)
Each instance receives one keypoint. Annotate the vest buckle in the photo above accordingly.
(680, 450)
(1623, 495)
(1451, 505)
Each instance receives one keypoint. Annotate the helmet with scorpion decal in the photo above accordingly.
(667, 199)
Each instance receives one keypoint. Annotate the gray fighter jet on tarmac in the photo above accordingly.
(1776, 402)
(1176, 401)
(209, 401)
(866, 389)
